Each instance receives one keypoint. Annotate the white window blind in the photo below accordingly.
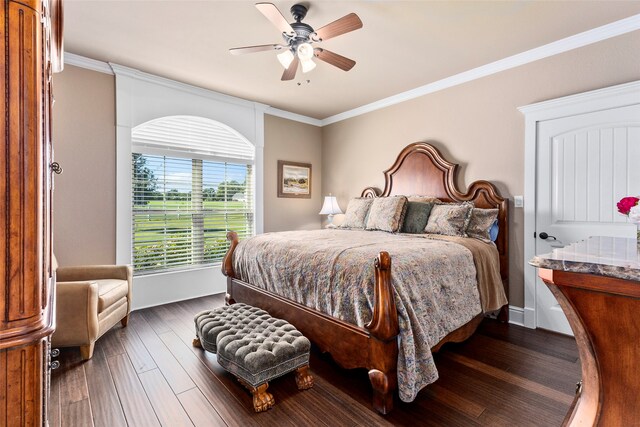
(192, 182)
(197, 136)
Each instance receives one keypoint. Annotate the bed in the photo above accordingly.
(378, 343)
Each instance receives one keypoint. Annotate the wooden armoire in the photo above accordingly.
(32, 51)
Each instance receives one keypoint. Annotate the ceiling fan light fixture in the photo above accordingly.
(305, 51)
(285, 58)
(299, 37)
(307, 65)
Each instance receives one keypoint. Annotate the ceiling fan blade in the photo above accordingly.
(290, 72)
(334, 59)
(271, 12)
(340, 26)
(251, 49)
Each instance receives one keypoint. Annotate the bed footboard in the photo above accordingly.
(374, 347)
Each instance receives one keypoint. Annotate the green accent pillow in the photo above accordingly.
(415, 220)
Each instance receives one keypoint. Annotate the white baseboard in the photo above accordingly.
(529, 317)
(516, 315)
(158, 289)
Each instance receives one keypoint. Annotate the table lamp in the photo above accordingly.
(331, 208)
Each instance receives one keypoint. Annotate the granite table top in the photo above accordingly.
(617, 257)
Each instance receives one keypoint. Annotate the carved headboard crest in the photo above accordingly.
(420, 169)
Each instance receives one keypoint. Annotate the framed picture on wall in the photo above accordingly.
(294, 179)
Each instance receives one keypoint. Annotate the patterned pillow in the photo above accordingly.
(356, 214)
(415, 220)
(480, 223)
(387, 213)
(449, 219)
(423, 199)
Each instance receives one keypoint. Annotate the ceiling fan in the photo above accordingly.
(299, 37)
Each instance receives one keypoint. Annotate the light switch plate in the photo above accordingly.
(518, 201)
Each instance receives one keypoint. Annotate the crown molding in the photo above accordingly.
(623, 93)
(585, 38)
(87, 63)
(116, 69)
(121, 70)
(293, 116)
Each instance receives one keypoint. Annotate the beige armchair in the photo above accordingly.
(90, 300)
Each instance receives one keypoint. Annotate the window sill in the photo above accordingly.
(217, 265)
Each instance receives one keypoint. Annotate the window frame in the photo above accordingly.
(154, 140)
(141, 97)
(198, 209)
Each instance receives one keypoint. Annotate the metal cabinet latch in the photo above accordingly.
(56, 168)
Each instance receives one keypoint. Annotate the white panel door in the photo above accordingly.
(585, 164)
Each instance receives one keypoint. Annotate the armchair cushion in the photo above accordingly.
(110, 291)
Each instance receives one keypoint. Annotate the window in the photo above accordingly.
(192, 182)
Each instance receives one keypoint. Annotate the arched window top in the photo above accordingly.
(197, 136)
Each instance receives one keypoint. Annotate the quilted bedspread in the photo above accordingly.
(332, 271)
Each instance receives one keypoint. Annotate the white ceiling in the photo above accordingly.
(402, 45)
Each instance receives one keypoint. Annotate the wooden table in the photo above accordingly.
(597, 284)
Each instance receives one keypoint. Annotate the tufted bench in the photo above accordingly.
(254, 347)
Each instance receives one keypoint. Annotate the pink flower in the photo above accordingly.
(626, 203)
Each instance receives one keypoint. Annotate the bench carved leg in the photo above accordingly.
(196, 342)
(261, 399)
(304, 379)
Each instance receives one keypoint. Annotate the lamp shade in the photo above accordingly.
(330, 206)
(305, 51)
(285, 58)
(307, 65)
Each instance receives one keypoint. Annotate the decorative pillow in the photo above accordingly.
(415, 219)
(480, 223)
(449, 219)
(356, 214)
(423, 199)
(387, 213)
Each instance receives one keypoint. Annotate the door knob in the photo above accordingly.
(545, 236)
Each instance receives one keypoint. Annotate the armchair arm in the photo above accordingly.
(76, 313)
(94, 272)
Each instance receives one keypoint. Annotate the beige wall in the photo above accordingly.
(84, 143)
(296, 142)
(477, 125)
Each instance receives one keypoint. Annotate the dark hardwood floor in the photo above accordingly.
(149, 374)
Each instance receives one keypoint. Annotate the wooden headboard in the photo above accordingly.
(420, 169)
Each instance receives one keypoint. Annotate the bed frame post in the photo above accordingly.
(384, 329)
(384, 323)
(227, 265)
